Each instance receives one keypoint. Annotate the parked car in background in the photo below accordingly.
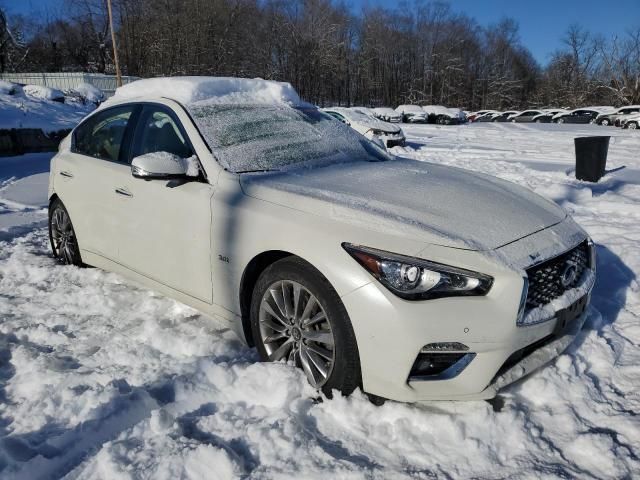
(631, 121)
(526, 116)
(413, 281)
(412, 114)
(444, 115)
(387, 115)
(547, 114)
(473, 116)
(502, 116)
(579, 115)
(616, 116)
(364, 110)
(487, 116)
(391, 135)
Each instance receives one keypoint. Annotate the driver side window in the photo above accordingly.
(159, 132)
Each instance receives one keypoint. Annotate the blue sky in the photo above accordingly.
(542, 22)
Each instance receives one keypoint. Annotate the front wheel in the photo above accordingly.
(297, 317)
(560, 120)
(62, 236)
(632, 125)
(605, 123)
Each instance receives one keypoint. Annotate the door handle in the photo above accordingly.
(123, 192)
(66, 174)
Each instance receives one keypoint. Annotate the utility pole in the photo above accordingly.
(115, 48)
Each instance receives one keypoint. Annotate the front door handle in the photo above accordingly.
(66, 174)
(124, 192)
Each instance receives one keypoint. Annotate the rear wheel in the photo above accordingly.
(297, 317)
(605, 122)
(632, 125)
(560, 120)
(62, 236)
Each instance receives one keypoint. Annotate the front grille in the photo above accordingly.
(546, 279)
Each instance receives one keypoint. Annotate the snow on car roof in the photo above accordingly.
(189, 90)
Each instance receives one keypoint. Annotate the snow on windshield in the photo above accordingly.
(271, 137)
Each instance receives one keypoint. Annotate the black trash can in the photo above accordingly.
(591, 157)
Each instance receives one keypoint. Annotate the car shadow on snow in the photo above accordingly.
(613, 279)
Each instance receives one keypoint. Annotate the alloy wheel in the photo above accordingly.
(633, 125)
(294, 327)
(63, 237)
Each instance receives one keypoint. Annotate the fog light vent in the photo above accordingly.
(444, 347)
(439, 366)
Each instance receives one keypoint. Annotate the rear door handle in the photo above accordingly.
(124, 192)
(66, 174)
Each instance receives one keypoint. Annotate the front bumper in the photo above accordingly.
(393, 140)
(391, 333)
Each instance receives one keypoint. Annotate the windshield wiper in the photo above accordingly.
(259, 170)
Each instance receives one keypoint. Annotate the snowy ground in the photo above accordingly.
(102, 379)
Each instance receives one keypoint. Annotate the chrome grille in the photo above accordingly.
(546, 278)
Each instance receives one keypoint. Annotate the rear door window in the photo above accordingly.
(103, 135)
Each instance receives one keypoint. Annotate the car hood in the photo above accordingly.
(380, 125)
(422, 201)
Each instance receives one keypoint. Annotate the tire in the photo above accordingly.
(604, 123)
(632, 125)
(284, 324)
(62, 236)
(560, 120)
(538, 121)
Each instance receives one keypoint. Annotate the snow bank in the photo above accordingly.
(8, 88)
(100, 379)
(189, 90)
(89, 93)
(35, 109)
(44, 93)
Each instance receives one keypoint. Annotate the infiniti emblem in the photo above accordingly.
(569, 274)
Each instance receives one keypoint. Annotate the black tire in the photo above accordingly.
(67, 250)
(345, 375)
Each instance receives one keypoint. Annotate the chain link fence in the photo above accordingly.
(67, 81)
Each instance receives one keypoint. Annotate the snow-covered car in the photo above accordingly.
(632, 122)
(525, 116)
(387, 115)
(579, 115)
(370, 127)
(411, 280)
(617, 116)
(364, 111)
(444, 115)
(547, 114)
(412, 114)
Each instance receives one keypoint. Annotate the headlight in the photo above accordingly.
(417, 279)
(378, 132)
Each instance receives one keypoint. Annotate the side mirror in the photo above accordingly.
(164, 165)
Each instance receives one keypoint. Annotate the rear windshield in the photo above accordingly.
(248, 138)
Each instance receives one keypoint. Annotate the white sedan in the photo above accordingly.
(410, 280)
(391, 135)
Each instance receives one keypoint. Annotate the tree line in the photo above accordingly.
(420, 52)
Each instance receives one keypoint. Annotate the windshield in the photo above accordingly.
(246, 138)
